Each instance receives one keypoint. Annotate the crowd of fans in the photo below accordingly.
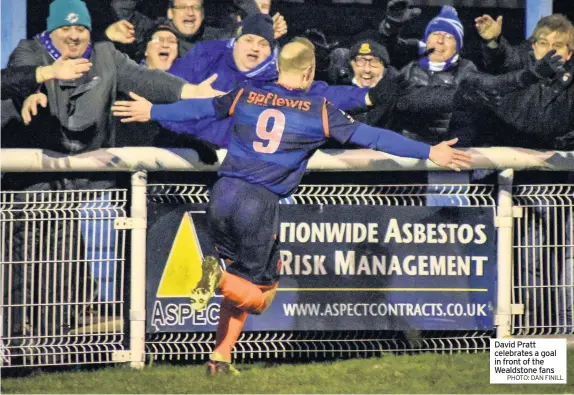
(518, 96)
(59, 87)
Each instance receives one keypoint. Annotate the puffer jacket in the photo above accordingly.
(425, 102)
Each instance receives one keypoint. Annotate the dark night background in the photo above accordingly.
(339, 22)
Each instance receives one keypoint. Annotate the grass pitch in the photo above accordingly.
(406, 374)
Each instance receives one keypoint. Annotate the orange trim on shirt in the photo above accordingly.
(325, 119)
(232, 108)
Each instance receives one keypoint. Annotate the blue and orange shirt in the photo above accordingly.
(276, 130)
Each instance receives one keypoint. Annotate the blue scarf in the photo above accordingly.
(266, 71)
(426, 64)
(46, 41)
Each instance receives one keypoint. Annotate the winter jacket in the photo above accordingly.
(426, 101)
(78, 117)
(16, 79)
(524, 112)
(505, 57)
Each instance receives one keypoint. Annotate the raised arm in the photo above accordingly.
(498, 56)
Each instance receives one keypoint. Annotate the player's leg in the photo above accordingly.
(230, 325)
(268, 296)
(254, 220)
(205, 288)
(272, 269)
(219, 217)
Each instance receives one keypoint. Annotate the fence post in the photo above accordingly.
(504, 224)
(138, 270)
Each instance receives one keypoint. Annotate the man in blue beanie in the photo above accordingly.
(443, 40)
(428, 85)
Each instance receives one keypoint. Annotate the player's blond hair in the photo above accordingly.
(297, 55)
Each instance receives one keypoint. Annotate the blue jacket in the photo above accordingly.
(216, 57)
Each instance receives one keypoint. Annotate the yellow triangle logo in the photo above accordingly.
(183, 270)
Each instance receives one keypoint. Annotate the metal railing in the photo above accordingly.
(54, 243)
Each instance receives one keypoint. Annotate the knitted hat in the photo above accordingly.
(259, 24)
(447, 21)
(148, 35)
(370, 47)
(160, 27)
(68, 13)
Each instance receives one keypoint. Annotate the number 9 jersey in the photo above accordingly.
(276, 131)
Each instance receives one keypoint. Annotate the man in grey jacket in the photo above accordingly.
(79, 117)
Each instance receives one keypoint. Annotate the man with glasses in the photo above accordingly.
(428, 85)
(368, 60)
(530, 105)
(370, 63)
(550, 33)
(184, 17)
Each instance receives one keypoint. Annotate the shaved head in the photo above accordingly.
(297, 56)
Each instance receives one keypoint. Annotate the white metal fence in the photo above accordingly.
(62, 268)
(544, 259)
(73, 290)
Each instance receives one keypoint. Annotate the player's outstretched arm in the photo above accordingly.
(142, 110)
(393, 143)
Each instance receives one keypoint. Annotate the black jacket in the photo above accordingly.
(519, 110)
(505, 57)
(426, 101)
(17, 79)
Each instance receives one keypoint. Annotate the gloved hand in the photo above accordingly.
(340, 72)
(246, 7)
(548, 66)
(386, 90)
(398, 13)
(475, 91)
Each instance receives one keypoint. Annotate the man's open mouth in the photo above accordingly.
(164, 56)
(252, 56)
(189, 22)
